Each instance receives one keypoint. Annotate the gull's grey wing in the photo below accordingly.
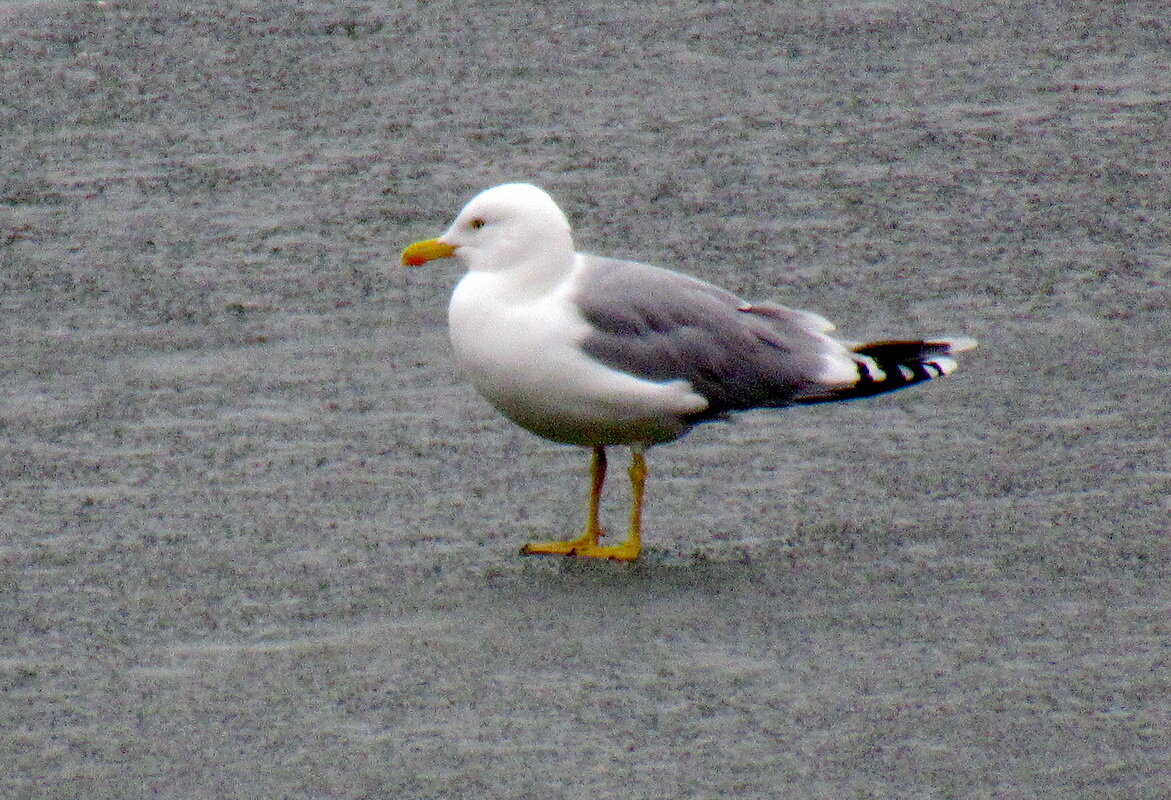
(661, 325)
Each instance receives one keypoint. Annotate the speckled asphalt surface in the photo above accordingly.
(260, 540)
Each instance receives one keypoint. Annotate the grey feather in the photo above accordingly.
(661, 325)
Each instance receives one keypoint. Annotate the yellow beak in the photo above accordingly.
(422, 252)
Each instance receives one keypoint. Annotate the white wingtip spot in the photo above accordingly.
(944, 364)
(955, 344)
(842, 372)
(868, 369)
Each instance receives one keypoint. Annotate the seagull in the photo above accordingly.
(601, 352)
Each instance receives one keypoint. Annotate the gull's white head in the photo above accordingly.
(510, 226)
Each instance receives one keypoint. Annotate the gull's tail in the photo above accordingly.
(887, 366)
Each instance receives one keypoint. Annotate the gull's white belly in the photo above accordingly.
(524, 358)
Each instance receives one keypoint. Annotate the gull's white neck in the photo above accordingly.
(531, 272)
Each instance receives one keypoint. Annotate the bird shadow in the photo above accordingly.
(658, 572)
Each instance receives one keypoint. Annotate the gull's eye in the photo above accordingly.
(477, 223)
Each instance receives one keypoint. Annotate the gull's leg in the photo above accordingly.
(589, 538)
(628, 550)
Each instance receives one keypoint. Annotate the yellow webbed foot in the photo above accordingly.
(589, 539)
(585, 547)
(627, 551)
